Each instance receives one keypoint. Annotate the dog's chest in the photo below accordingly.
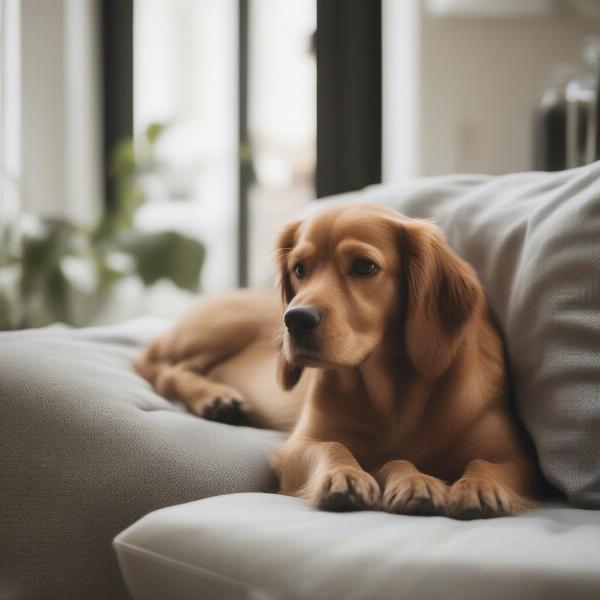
(400, 420)
(424, 446)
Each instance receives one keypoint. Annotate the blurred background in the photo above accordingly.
(150, 149)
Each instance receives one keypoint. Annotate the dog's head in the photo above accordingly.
(354, 277)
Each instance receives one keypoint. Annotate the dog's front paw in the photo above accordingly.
(472, 498)
(416, 494)
(347, 488)
(224, 405)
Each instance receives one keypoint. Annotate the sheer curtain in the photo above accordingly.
(50, 138)
(10, 101)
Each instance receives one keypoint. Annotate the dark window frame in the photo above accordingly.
(245, 160)
(348, 45)
(116, 23)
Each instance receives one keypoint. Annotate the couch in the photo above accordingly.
(90, 453)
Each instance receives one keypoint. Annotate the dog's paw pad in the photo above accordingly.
(225, 410)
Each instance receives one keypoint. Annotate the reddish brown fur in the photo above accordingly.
(398, 402)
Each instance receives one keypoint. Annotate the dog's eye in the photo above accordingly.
(363, 267)
(299, 270)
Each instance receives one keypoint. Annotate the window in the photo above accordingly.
(282, 121)
(186, 76)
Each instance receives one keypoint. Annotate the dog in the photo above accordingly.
(380, 358)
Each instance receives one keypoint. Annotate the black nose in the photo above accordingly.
(301, 319)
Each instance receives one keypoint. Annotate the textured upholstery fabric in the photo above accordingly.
(534, 239)
(266, 546)
(86, 448)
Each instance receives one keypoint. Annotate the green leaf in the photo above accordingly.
(123, 162)
(62, 271)
(57, 295)
(41, 254)
(165, 255)
(154, 131)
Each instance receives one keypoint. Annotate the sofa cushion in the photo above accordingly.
(86, 448)
(534, 239)
(265, 546)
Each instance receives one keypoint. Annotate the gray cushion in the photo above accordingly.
(261, 546)
(86, 448)
(534, 239)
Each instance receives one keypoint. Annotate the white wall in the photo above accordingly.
(460, 92)
(83, 165)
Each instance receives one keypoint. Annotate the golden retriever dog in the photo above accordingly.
(392, 377)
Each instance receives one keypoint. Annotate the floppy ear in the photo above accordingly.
(443, 297)
(284, 245)
(288, 375)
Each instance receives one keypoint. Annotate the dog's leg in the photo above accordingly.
(326, 474)
(203, 397)
(178, 363)
(408, 491)
(489, 489)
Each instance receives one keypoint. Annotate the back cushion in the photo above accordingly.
(534, 239)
